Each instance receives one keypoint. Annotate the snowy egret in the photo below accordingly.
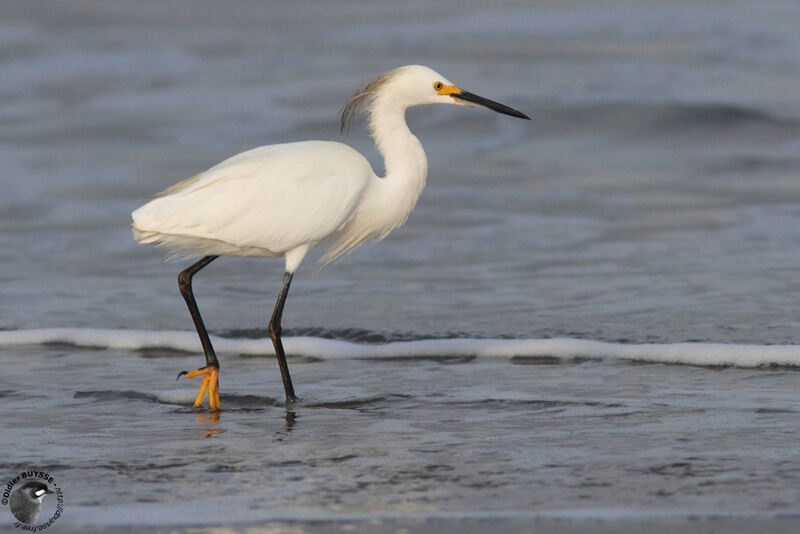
(282, 200)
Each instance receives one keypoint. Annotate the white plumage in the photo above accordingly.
(265, 202)
(282, 200)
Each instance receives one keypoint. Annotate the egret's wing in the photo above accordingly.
(275, 198)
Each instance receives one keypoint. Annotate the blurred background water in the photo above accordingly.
(653, 198)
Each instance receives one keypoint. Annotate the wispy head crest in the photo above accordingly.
(361, 100)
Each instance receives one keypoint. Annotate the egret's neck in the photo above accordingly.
(404, 159)
(387, 201)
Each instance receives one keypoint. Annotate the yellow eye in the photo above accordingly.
(438, 86)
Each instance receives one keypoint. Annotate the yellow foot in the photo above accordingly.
(210, 383)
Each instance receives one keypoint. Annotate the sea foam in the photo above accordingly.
(705, 354)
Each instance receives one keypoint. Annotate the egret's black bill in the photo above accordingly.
(489, 104)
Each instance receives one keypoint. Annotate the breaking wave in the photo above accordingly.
(701, 354)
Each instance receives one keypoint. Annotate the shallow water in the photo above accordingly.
(404, 439)
(653, 199)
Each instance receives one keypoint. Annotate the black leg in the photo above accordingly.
(185, 285)
(275, 335)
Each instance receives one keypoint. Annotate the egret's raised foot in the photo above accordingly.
(210, 382)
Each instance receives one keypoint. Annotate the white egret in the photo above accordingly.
(282, 200)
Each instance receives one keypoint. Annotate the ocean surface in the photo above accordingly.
(588, 324)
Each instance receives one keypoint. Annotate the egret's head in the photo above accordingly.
(415, 85)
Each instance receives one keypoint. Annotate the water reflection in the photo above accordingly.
(210, 417)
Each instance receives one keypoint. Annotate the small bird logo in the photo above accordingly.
(26, 502)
